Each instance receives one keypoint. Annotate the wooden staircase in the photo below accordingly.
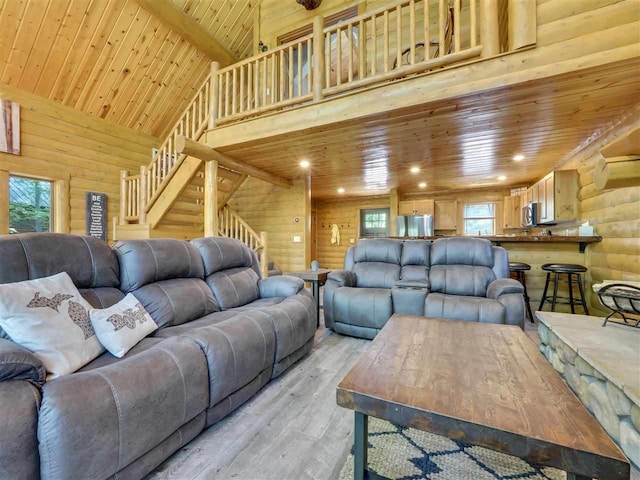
(166, 199)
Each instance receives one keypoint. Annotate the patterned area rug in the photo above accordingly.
(407, 454)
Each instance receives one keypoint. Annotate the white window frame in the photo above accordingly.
(465, 218)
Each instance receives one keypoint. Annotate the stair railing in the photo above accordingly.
(231, 225)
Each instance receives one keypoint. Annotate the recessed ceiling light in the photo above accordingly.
(341, 190)
(422, 184)
(304, 164)
(414, 170)
(502, 178)
(518, 158)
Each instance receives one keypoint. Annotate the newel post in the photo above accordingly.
(123, 197)
(489, 28)
(213, 94)
(142, 215)
(264, 255)
(211, 198)
(318, 58)
(522, 24)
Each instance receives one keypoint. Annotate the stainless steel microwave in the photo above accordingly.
(530, 215)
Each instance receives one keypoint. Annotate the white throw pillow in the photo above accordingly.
(49, 317)
(121, 326)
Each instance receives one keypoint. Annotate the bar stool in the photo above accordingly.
(518, 269)
(569, 270)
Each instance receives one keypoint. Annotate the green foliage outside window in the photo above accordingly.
(29, 205)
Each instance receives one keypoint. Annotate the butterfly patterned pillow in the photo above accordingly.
(121, 326)
(49, 317)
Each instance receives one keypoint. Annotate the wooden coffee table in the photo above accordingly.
(483, 384)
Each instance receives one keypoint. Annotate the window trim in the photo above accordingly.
(465, 218)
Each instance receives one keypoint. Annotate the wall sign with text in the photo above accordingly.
(97, 215)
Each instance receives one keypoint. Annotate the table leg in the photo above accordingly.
(316, 296)
(360, 443)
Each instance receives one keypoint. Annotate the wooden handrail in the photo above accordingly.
(231, 225)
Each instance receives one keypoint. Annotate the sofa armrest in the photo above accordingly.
(280, 286)
(503, 286)
(18, 363)
(344, 278)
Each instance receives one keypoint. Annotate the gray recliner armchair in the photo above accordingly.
(459, 278)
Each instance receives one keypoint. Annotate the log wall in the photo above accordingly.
(59, 143)
(266, 207)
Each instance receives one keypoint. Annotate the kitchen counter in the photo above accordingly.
(499, 239)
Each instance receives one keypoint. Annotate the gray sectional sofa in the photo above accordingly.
(223, 334)
(456, 278)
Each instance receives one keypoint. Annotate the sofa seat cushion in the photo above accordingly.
(107, 359)
(364, 307)
(205, 321)
(259, 303)
(93, 424)
(237, 351)
(294, 321)
(460, 307)
(176, 301)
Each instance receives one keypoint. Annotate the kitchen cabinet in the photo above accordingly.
(416, 207)
(557, 197)
(511, 213)
(446, 215)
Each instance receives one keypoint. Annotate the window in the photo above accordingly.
(374, 222)
(30, 205)
(479, 218)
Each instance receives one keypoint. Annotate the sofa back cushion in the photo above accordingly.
(232, 270)
(167, 278)
(461, 266)
(376, 274)
(384, 250)
(147, 261)
(87, 260)
(415, 260)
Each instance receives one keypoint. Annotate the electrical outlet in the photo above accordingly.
(297, 239)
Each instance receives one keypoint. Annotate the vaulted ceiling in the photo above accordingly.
(113, 59)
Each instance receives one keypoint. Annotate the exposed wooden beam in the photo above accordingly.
(185, 26)
(187, 146)
(617, 172)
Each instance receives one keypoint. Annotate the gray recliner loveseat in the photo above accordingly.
(223, 334)
(459, 278)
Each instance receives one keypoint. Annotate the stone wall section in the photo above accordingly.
(615, 411)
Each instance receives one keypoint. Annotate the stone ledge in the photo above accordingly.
(601, 366)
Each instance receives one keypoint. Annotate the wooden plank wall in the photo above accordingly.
(61, 143)
(266, 207)
(345, 213)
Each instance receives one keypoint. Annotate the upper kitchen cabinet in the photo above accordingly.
(416, 207)
(557, 197)
(446, 215)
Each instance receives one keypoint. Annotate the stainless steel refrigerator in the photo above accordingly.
(415, 226)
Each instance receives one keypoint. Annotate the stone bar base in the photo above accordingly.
(602, 366)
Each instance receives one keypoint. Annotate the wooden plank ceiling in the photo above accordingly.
(114, 60)
(465, 142)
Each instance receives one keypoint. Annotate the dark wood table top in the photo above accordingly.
(311, 275)
(483, 384)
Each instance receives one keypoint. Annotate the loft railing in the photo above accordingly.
(402, 39)
(272, 80)
(231, 225)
